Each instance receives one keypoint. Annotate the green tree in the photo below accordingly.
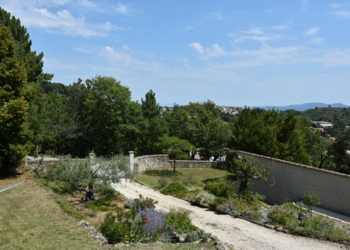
(153, 126)
(111, 119)
(190, 123)
(15, 94)
(339, 152)
(251, 134)
(84, 175)
(176, 148)
(272, 134)
(33, 62)
(246, 170)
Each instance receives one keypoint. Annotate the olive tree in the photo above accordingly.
(245, 170)
(83, 175)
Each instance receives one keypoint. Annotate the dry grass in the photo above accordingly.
(30, 219)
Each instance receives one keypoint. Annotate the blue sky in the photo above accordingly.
(235, 53)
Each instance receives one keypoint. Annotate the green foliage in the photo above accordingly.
(202, 199)
(124, 227)
(83, 175)
(286, 215)
(143, 203)
(153, 125)
(104, 190)
(311, 199)
(33, 63)
(179, 220)
(15, 95)
(216, 202)
(201, 126)
(130, 203)
(322, 227)
(197, 235)
(219, 188)
(272, 134)
(176, 148)
(227, 208)
(111, 117)
(175, 188)
(295, 219)
(246, 170)
(103, 204)
(338, 152)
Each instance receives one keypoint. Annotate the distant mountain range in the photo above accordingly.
(306, 106)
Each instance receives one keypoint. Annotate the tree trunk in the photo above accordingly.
(90, 195)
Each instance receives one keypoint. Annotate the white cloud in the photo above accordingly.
(216, 15)
(255, 38)
(317, 40)
(82, 50)
(188, 28)
(122, 8)
(198, 47)
(255, 31)
(185, 60)
(304, 5)
(88, 4)
(311, 31)
(126, 47)
(63, 22)
(335, 6)
(342, 14)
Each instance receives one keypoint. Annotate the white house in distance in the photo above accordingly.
(323, 123)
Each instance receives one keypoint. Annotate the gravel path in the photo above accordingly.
(234, 233)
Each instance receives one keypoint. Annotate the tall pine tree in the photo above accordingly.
(32, 61)
(15, 94)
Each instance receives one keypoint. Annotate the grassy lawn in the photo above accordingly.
(30, 219)
(193, 178)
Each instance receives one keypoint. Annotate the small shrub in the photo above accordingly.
(227, 208)
(253, 200)
(143, 203)
(251, 214)
(311, 199)
(197, 235)
(215, 203)
(130, 203)
(163, 181)
(105, 190)
(135, 226)
(175, 188)
(103, 204)
(203, 199)
(322, 227)
(179, 219)
(219, 188)
(285, 215)
(187, 179)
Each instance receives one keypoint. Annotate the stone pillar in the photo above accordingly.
(131, 157)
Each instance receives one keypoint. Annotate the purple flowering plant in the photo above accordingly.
(135, 226)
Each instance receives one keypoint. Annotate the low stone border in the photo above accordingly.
(93, 232)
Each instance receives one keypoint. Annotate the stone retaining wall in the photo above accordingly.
(292, 180)
(162, 161)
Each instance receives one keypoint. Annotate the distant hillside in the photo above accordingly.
(306, 106)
